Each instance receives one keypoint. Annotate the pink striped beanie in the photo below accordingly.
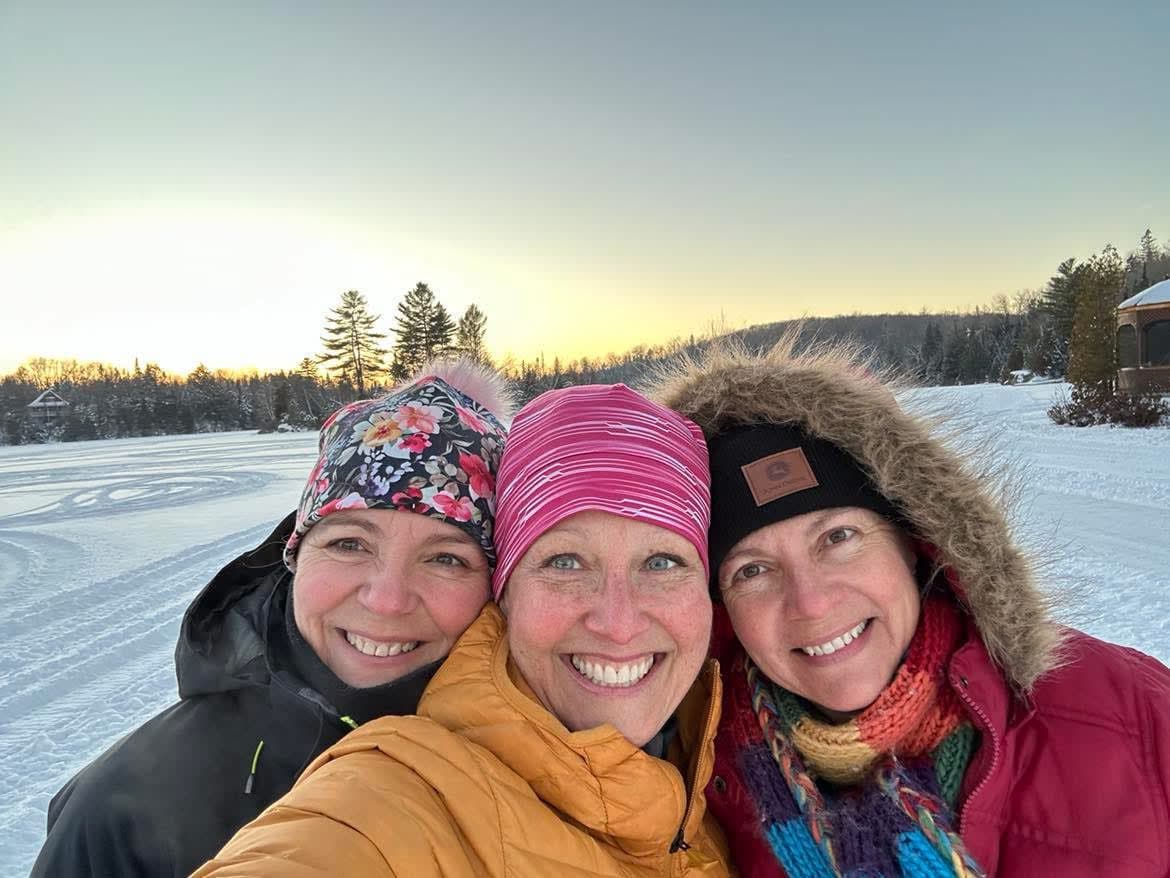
(598, 447)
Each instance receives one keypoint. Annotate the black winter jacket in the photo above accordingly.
(168, 796)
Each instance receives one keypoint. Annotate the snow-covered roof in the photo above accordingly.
(1158, 294)
(48, 400)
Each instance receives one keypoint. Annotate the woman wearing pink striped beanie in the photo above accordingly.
(604, 502)
(570, 729)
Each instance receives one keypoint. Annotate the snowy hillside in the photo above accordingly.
(102, 545)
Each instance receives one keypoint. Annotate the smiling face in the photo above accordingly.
(381, 592)
(825, 603)
(609, 621)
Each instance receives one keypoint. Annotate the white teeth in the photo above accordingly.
(837, 642)
(378, 648)
(621, 677)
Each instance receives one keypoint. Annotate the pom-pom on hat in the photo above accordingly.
(428, 447)
(599, 447)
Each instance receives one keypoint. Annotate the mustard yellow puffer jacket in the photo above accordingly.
(486, 782)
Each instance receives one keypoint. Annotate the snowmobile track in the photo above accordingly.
(49, 657)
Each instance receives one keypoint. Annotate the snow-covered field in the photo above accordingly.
(102, 545)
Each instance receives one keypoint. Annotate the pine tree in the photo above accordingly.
(953, 352)
(307, 369)
(424, 331)
(441, 333)
(1039, 355)
(281, 401)
(1143, 282)
(975, 360)
(414, 316)
(351, 343)
(1092, 364)
(210, 402)
(307, 403)
(469, 337)
(1149, 247)
(1147, 253)
(1060, 302)
(932, 353)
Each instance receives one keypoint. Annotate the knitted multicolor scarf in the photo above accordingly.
(873, 796)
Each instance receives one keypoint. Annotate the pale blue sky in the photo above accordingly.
(202, 183)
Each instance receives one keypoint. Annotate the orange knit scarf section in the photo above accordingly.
(911, 716)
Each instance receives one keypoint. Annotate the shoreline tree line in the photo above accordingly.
(1065, 329)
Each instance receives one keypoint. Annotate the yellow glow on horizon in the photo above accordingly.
(240, 288)
(178, 288)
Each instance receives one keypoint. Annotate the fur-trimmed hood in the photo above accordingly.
(833, 392)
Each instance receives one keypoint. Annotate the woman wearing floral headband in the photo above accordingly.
(566, 734)
(385, 563)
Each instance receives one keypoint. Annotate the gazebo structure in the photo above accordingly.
(47, 408)
(1143, 341)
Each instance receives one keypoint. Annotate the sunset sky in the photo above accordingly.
(199, 182)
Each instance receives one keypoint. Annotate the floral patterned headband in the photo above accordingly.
(428, 448)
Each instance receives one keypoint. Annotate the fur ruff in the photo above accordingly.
(833, 391)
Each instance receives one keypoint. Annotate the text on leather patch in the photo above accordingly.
(779, 475)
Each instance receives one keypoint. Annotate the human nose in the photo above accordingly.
(388, 590)
(617, 615)
(808, 594)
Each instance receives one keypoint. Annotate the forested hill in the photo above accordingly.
(936, 348)
(107, 402)
(1034, 330)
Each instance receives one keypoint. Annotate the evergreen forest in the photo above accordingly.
(1062, 329)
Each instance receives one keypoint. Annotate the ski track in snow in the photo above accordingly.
(47, 657)
(114, 668)
(86, 656)
(131, 495)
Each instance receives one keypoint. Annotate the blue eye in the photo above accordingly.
(563, 562)
(662, 562)
(347, 544)
(449, 560)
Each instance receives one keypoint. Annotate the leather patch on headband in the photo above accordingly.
(779, 475)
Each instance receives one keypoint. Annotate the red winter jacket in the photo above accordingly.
(1074, 781)
(1072, 775)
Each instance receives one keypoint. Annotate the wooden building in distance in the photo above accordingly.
(1143, 341)
(48, 408)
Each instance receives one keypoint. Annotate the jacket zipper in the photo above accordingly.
(680, 842)
(995, 749)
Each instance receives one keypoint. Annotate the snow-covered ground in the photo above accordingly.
(103, 544)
